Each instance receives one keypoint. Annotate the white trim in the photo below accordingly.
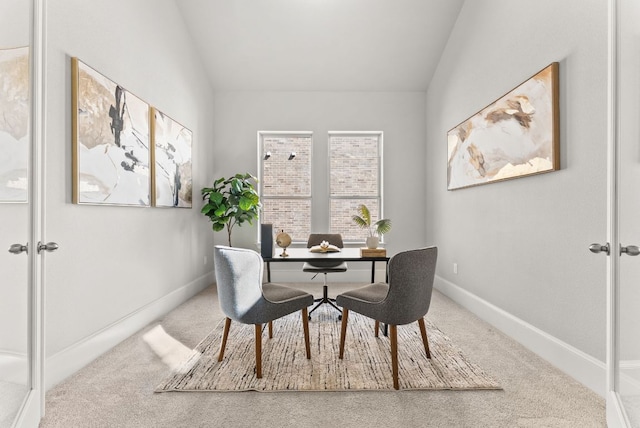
(285, 133)
(33, 406)
(616, 417)
(355, 132)
(66, 362)
(31, 411)
(586, 369)
(613, 264)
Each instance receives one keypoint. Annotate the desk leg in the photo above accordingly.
(385, 329)
(268, 271)
(373, 271)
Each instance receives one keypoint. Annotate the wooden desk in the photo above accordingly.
(304, 255)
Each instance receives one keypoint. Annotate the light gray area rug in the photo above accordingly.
(366, 364)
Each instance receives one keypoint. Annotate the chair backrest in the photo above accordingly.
(239, 279)
(331, 238)
(411, 275)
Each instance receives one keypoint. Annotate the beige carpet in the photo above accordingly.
(366, 364)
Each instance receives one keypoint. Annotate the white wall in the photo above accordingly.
(521, 245)
(239, 115)
(118, 267)
(16, 18)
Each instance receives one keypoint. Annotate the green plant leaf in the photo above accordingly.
(364, 213)
(360, 222)
(216, 197)
(236, 186)
(245, 203)
(382, 226)
(206, 209)
(220, 211)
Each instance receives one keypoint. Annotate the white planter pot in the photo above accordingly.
(372, 241)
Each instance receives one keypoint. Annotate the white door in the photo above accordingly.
(623, 339)
(21, 392)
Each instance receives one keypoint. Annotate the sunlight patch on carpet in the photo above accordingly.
(171, 351)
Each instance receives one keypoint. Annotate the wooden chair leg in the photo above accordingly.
(377, 327)
(225, 335)
(258, 351)
(393, 332)
(305, 328)
(343, 330)
(423, 331)
(270, 329)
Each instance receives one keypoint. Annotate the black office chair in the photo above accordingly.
(324, 267)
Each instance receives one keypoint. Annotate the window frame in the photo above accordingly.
(380, 197)
(284, 134)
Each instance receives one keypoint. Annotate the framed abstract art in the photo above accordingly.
(111, 149)
(171, 160)
(516, 136)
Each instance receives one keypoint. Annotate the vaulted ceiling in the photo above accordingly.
(320, 45)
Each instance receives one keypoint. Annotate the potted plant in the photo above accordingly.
(230, 202)
(380, 227)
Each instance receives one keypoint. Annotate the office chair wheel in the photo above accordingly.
(309, 317)
(340, 317)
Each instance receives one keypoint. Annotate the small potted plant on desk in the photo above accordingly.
(380, 227)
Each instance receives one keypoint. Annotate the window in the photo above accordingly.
(285, 182)
(355, 171)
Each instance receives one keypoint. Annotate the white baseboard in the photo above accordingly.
(587, 370)
(66, 362)
(616, 417)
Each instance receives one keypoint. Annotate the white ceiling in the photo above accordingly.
(320, 45)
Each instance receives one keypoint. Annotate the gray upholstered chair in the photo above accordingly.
(245, 299)
(324, 266)
(403, 300)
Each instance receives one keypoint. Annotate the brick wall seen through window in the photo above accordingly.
(285, 183)
(355, 163)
